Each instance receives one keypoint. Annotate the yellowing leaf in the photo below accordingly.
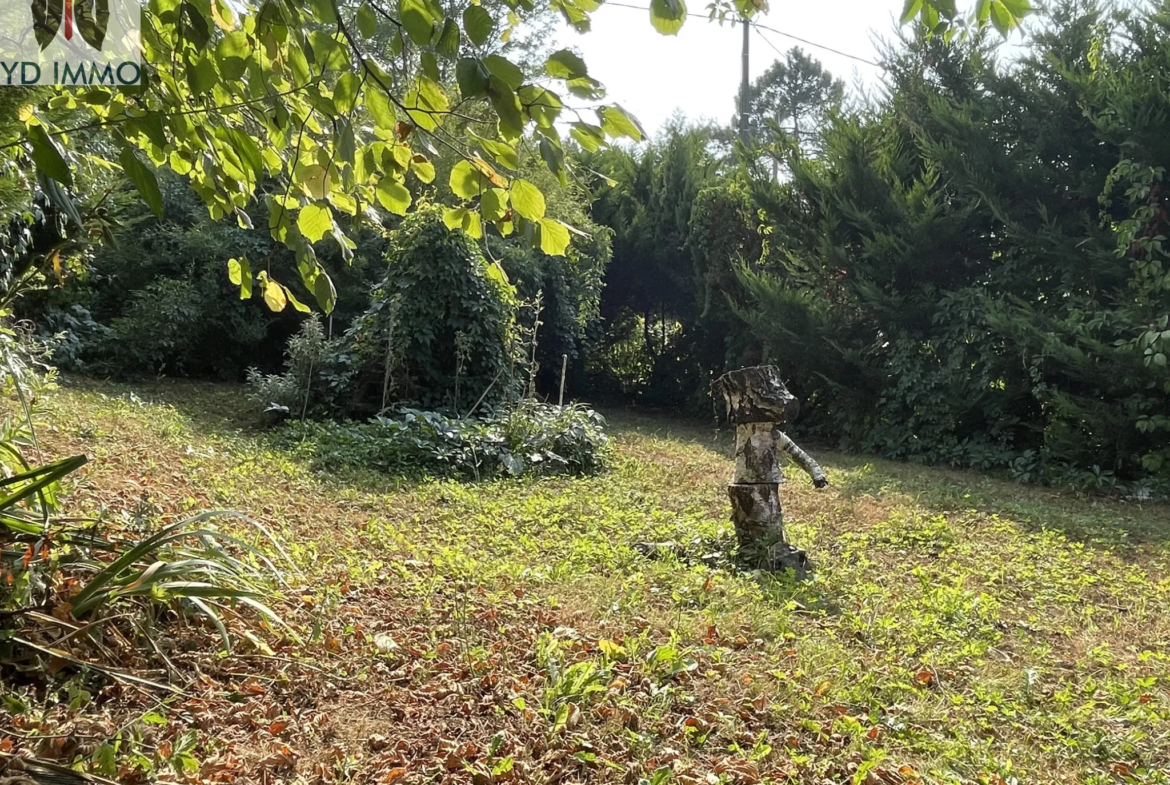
(274, 296)
(240, 274)
(235, 272)
(494, 177)
(315, 181)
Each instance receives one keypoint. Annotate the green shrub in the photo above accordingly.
(300, 390)
(160, 301)
(528, 439)
(440, 331)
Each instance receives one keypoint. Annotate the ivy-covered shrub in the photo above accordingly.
(440, 331)
(528, 439)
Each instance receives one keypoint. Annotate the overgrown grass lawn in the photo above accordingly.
(957, 629)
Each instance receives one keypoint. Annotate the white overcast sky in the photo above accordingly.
(697, 71)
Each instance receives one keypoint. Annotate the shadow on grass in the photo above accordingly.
(662, 425)
(217, 408)
(221, 410)
(1093, 520)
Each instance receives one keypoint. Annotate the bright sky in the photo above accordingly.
(698, 71)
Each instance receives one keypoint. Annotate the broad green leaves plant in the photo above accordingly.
(333, 110)
(942, 17)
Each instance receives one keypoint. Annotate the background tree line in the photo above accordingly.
(966, 268)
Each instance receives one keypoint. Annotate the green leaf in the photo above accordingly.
(328, 52)
(478, 24)
(448, 44)
(367, 20)
(554, 237)
(505, 70)
(196, 29)
(467, 181)
(417, 19)
(507, 107)
(576, 12)
(393, 195)
(453, 217)
(472, 225)
(423, 169)
(47, 156)
(144, 179)
(554, 157)
(590, 137)
(1017, 8)
(232, 52)
(315, 221)
(543, 105)
(564, 64)
(504, 153)
(315, 180)
(494, 204)
(911, 10)
(426, 104)
(527, 200)
(380, 108)
(323, 11)
(464, 219)
(297, 304)
(668, 16)
(617, 122)
(201, 75)
(324, 291)
(472, 76)
(345, 92)
(430, 66)
(1001, 18)
(245, 147)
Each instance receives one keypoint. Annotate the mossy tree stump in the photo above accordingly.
(758, 404)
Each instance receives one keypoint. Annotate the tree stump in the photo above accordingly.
(758, 404)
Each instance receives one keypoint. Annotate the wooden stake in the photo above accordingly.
(564, 367)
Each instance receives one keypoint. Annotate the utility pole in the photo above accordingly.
(743, 89)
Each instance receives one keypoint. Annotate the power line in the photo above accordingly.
(760, 27)
(806, 42)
